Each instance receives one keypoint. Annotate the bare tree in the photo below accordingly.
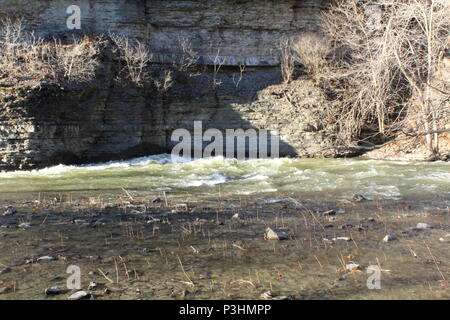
(386, 52)
(136, 57)
(420, 37)
(77, 61)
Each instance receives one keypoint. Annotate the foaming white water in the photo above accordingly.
(338, 177)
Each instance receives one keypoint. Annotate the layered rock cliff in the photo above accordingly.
(46, 124)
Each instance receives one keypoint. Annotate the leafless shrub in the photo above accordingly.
(311, 51)
(287, 60)
(136, 57)
(237, 79)
(77, 61)
(164, 82)
(21, 53)
(25, 56)
(188, 57)
(386, 52)
(218, 62)
(420, 36)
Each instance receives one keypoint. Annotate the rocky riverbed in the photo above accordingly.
(173, 246)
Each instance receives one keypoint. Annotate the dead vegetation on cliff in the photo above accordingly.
(382, 64)
(25, 56)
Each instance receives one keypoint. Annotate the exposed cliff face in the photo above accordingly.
(242, 31)
(42, 125)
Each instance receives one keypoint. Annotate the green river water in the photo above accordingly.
(204, 237)
(327, 178)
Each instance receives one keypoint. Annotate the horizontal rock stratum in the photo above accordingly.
(43, 124)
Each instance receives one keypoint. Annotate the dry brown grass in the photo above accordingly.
(23, 55)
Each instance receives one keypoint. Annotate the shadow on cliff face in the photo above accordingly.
(106, 120)
(140, 121)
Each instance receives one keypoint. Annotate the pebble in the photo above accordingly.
(269, 295)
(329, 213)
(327, 241)
(32, 260)
(79, 221)
(342, 239)
(236, 216)
(80, 295)
(422, 226)
(360, 198)
(271, 234)
(445, 238)
(45, 258)
(53, 291)
(92, 285)
(25, 225)
(5, 270)
(390, 237)
(10, 211)
(353, 267)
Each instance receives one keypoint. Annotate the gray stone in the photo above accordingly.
(10, 211)
(445, 238)
(79, 295)
(360, 198)
(45, 258)
(422, 225)
(25, 225)
(390, 237)
(5, 270)
(53, 291)
(272, 234)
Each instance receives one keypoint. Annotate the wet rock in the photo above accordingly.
(10, 211)
(360, 198)
(156, 200)
(45, 258)
(342, 239)
(25, 225)
(79, 295)
(181, 207)
(362, 227)
(53, 291)
(269, 295)
(79, 221)
(354, 267)
(153, 220)
(196, 209)
(92, 286)
(390, 237)
(5, 270)
(30, 261)
(445, 238)
(423, 226)
(272, 234)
